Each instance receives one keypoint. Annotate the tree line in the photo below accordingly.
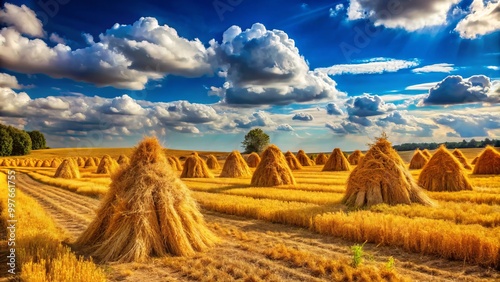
(17, 142)
(450, 145)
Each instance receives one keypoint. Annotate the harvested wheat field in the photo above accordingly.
(272, 229)
(336, 162)
(444, 172)
(418, 160)
(253, 160)
(304, 159)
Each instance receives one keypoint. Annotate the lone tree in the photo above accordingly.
(21, 141)
(255, 141)
(37, 140)
(5, 143)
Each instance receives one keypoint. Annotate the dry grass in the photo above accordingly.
(212, 162)
(292, 161)
(461, 158)
(355, 157)
(148, 211)
(382, 177)
(195, 167)
(235, 166)
(418, 160)
(40, 253)
(123, 160)
(253, 160)
(488, 162)
(321, 159)
(336, 162)
(273, 169)
(427, 153)
(68, 170)
(304, 160)
(443, 172)
(107, 165)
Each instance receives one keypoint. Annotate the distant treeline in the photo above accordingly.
(450, 145)
(17, 142)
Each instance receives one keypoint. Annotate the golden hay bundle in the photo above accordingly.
(90, 163)
(176, 165)
(56, 163)
(235, 166)
(273, 169)
(382, 177)
(148, 211)
(212, 162)
(461, 158)
(39, 163)
(304, 159)
(321, 159)
(68, 169)
(336, 162)
(443, 172)
(2, 162)
(123, 160)
(427, 153)
(195, 167)
(97, 160)
(418, 160)
(355, 157)
(107, 165)
(19, 162)
(292, 161)
(474, 161)
(253, 160)
(488, 162)
(80, 161)
(46, 163)
(30, 163)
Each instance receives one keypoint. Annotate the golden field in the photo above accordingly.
(287, 233)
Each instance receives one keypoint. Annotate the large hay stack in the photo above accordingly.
(461, 158)
(175, 163)
(80, 162)
(321, 159)
(382, 177)
(336, 162)
(148, 211)
(427, 153)
(253, 160)
(68, 169)
(292, 161)
(235, 166)
(304, 159)
(443, 172)
(355, 157)
(418, 160)
(212, 162)
(474, 161)
(123, 160)
(195, 167)
(488, 162)
(46, 163)
(90, 163)
(273, 169)
(107, 165)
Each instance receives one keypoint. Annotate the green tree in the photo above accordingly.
(21, 141)
(37, 140)
(5, 143)
(255, 141)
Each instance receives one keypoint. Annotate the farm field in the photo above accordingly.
(287, 233)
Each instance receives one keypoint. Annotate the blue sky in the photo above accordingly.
(200, 74)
